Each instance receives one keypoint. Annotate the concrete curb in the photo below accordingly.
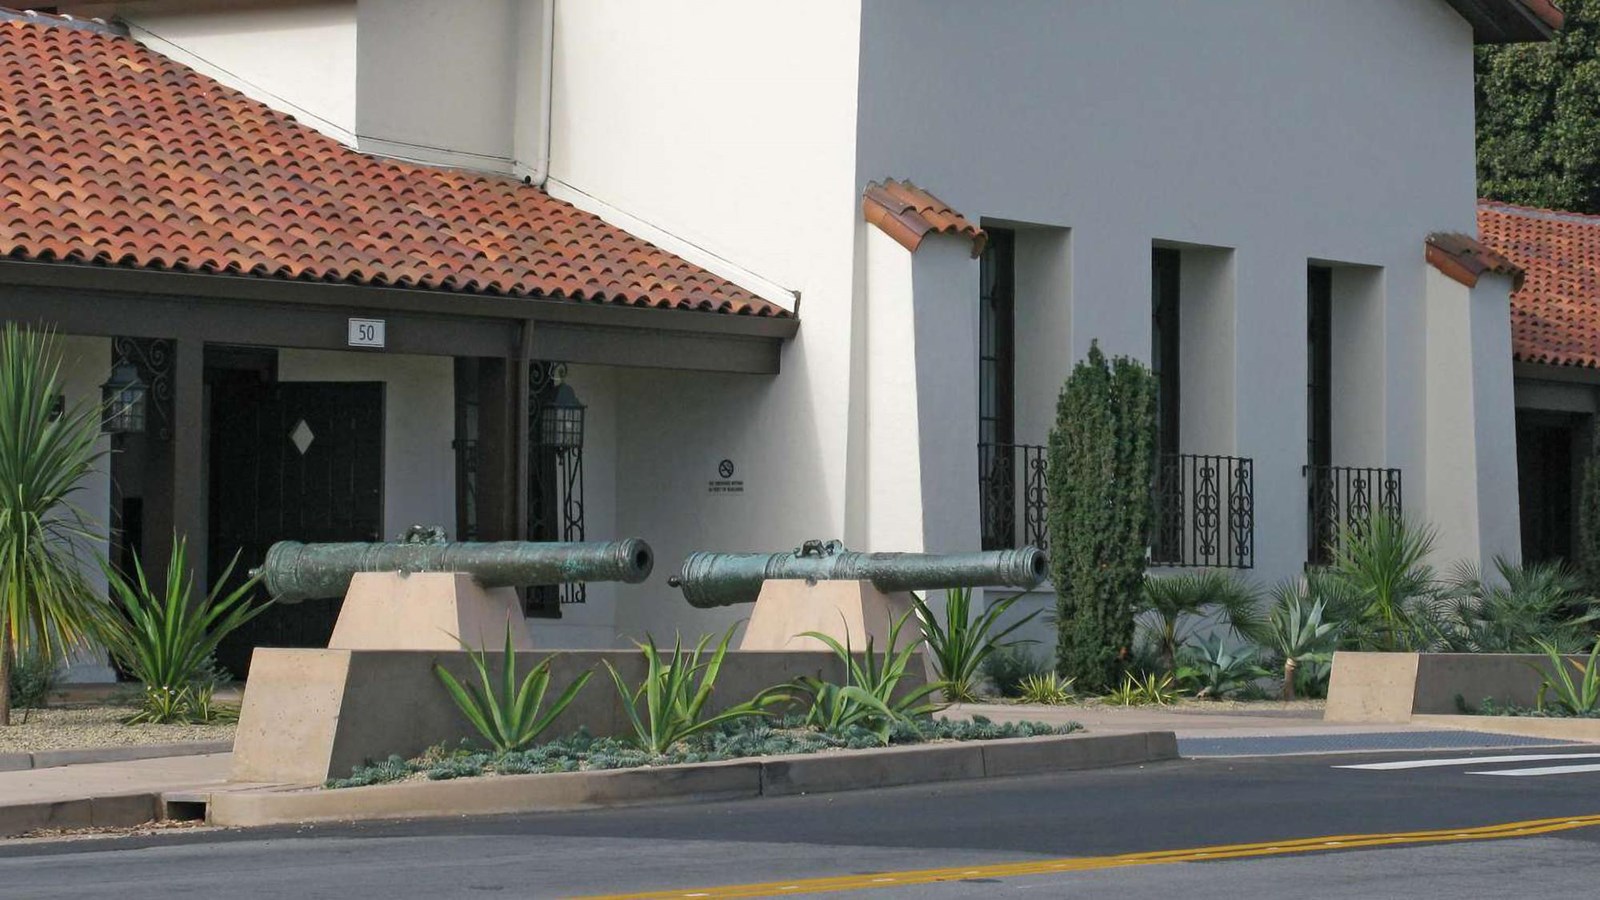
(114, 811)
(47, 759)
(1580, 730)
(733, 779)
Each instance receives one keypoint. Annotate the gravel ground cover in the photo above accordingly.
(99, 725)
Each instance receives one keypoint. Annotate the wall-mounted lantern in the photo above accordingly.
(561, 420)
(124, 399)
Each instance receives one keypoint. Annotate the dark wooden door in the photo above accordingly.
(298, 461)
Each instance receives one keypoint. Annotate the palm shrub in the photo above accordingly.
(47, 606)
(1211, 669)
(1175, 605)
(669, 706)
(509, 714)
(868, 697)
(1100, 468)
(1523, 608)
(1297, 632)
(165, 638)
(1383, 568)
(959, 645)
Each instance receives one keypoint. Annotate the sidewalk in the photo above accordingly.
(115, 794)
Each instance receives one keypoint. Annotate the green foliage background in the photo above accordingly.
(1100, 467)
(1539, 116)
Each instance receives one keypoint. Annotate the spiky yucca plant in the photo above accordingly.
(165, 637)
(47, 606)
(507, 713)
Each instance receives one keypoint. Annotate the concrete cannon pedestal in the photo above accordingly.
(847, 611)
(426, 611)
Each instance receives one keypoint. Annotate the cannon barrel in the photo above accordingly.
(294, 571)
(723, 579)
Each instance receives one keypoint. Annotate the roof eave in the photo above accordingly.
(1510, 21)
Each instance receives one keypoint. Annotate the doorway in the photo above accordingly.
(1550, 450)
(298, 461)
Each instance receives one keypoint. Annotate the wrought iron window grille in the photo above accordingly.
(1343, 499)
(1204, 505)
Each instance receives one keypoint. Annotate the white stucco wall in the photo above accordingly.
(419, 467)
(730, 126)
(1288, 130)
(298, 56)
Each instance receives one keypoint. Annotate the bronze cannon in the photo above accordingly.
(294, 571)
(723, 579)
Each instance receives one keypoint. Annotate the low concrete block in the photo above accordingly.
(1371, 687)
(486, 796)
(16, 762)
(1395, 687)
(1160, 745)
(853, 770)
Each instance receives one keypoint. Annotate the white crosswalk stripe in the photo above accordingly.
(1469, 761)
(1543, 770)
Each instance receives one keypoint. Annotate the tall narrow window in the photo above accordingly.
(1319, 366)
(1164, 345)
(997, 339)
(997, 471)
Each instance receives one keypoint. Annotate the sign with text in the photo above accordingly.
(366, 333)
(725, 483)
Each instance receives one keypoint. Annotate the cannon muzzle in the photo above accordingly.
(294, 571)
(723, 579)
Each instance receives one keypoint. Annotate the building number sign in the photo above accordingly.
(366, 333)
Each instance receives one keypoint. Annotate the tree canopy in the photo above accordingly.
(1539, 117)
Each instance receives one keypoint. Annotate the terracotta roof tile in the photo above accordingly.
(1465, 259)
(113, 155)
(1555, 314)
(908, 214)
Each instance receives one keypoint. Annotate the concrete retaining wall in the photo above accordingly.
(310, 715)
(1393, 687)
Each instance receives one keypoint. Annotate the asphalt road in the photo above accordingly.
(1050, 836)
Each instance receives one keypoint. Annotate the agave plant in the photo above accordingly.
(1047, 689)
(508, 714)
(165, 638)
(1575, 697)
(959, 645)
(1151, 689)
(1211, 669)
(1297, 632)
(868, 698)
(1524, 607)
(669, 705)
(1175, 605)
(47, 606)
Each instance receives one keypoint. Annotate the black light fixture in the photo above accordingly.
(561, 420)
(124, 399)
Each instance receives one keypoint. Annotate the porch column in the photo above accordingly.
(189, 476)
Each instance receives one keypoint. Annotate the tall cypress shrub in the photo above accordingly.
(1101, 459)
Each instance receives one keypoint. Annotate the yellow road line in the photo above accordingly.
(1091, 863)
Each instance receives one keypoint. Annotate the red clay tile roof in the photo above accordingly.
(113, 155)
(908, 214)
(1510, 21)
(1464, 259)
(1555, 315)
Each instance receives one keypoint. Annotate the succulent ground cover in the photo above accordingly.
(738, 739)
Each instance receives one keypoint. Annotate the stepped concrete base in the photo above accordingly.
(847, 611)
(426, 611)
